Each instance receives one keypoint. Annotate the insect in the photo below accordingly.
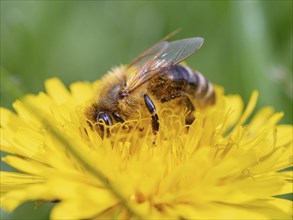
(156, 76)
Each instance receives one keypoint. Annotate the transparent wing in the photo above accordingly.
(152, 49)
(139, 63)
(150, 52)
(159, 58)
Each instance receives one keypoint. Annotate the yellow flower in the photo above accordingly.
(219, 167)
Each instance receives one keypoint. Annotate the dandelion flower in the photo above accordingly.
(219, 167)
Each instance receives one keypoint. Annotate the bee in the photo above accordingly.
(155, 76)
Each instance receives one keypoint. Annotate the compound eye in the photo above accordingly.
(105, 117)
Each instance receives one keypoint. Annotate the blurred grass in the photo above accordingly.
(248, 44)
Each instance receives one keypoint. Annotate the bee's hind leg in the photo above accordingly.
(190, 107)
(188, 103)
(152, 109)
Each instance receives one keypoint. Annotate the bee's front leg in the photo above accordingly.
(152, 109)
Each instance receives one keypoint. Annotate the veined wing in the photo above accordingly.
(159, 58)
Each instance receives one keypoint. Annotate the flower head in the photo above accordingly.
(219, 167)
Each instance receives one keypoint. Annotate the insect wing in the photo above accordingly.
(179, 50)
(140, 64)
(161, 57)
(152, 49)
(138, 61)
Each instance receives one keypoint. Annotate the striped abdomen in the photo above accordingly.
(193, 83)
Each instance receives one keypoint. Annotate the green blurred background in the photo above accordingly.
(248, 45)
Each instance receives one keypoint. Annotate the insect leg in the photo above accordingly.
(170, 97)
(189, 105)
(118, 117)
(152, 109)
